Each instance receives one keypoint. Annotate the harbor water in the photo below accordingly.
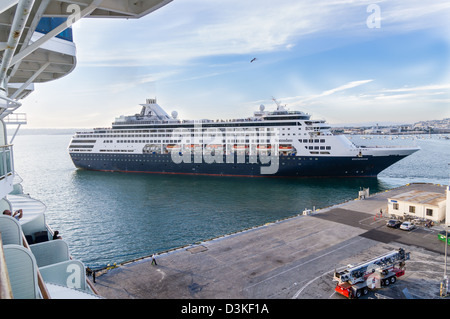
(111, 218)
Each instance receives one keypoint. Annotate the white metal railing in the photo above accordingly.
(10, 106)
(16, 118)
(6, 165)
(5, 285)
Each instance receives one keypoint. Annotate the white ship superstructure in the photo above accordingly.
(36, 46)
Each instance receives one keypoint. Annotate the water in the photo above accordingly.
(117, 217)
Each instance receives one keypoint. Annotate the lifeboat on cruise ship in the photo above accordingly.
(240, 147)
(285, 148)
(195, 147)
(213, 146)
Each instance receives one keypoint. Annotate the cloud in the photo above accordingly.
(429, 87)
(409, 94)
(213, 28)
(404, 104)
(299, 100)
(344, 87)
(184, 32)
(415, 14)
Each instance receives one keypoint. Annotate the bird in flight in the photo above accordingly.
(254, 59)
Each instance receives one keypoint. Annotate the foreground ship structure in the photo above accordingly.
(270, 143)
(36, 46)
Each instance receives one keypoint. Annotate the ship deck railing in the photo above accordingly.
(379, 146)
(127, 122)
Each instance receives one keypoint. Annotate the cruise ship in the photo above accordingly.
(36, 46)
(277, 143)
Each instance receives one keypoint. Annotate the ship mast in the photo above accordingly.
(279, 106)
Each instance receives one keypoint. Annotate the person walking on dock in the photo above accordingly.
(154, 260)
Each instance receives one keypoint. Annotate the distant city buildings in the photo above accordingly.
(422, 127)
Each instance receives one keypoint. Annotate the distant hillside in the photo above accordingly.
(436, 124)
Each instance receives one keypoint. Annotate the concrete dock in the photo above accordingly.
(289, 259)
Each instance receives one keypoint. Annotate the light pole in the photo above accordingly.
(444, 285)
(445, 281)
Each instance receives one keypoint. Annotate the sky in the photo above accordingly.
(344, 61)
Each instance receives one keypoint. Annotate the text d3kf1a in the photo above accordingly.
(236, 308)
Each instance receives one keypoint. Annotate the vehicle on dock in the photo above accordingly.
(393, 223)
(407, 226)
(355, 281)
(442, 235)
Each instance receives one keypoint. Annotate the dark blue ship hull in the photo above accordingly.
(286, 166)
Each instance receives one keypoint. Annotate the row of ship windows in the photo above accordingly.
(210, 125)
(187, 141)
(177, 135)
(165, 160)
(161, 133)
(312, 140)
(131, 151)
(170, 161)
(318, 147)
(137, 156)
(90, 150)
(246, 141)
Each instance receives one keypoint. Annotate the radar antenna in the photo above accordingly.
(279, 106)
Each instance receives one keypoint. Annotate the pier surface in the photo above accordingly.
(289, 259)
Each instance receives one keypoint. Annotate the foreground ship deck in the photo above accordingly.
(277, 143)
(39, 267)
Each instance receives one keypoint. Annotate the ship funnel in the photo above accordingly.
(151, 101)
